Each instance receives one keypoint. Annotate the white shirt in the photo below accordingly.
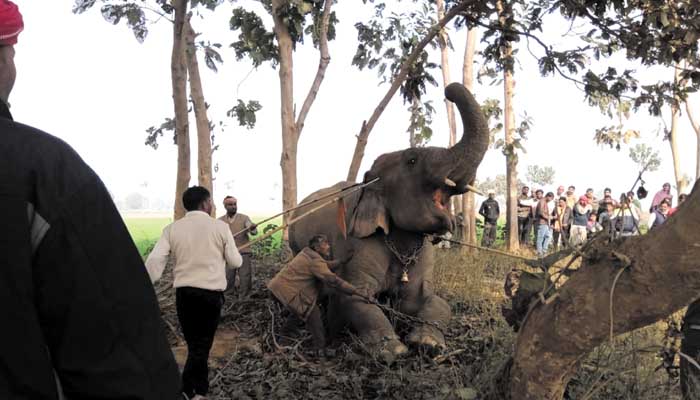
(203, 247)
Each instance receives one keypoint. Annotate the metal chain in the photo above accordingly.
(405, 260)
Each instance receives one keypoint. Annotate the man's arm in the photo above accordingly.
(158, 259)
(231, 255)
(252, 228)
(322, 272)
(482, 209)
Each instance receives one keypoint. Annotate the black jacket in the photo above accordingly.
(490, 211)
(75, 298)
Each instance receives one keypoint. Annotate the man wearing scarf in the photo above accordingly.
(80, 316)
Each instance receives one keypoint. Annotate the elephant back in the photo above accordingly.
(323, 221)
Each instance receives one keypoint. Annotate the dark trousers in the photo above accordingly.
(489, 236)
(564, 234)
(314, 323)
(524, 228)
(245, 277)
(198, 311)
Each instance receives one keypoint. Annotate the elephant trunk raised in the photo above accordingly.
(466, 155)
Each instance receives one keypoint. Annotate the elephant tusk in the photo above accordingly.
(475, 190)
(449, 182)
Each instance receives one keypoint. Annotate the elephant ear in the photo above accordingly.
(370, 214)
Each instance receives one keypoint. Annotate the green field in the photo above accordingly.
(146, 231)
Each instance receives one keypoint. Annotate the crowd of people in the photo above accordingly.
(566, 219)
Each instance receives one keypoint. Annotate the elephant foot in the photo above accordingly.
(428, 338)
(389, 350)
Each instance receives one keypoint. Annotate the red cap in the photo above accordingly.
(584, 198)
(11, 23)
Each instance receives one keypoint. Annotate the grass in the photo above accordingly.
(145, 231)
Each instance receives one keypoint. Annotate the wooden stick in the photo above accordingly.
(313, 210)
(350, 188)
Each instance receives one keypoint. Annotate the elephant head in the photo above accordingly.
(416, 184)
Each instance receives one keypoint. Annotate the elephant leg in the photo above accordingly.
(426, 305)
(373, 328)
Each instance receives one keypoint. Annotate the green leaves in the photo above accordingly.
(245, 113)
(645, 157)
(155, 132)
(540, 175)
(254, 40)
(419, 126)
(134, 15)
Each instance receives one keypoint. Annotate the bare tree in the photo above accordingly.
(696, 127)
(291, 128)
(673, 135)
(512, 242)
(446, 80)
(468, 201)
(178, 67)
(204, 148)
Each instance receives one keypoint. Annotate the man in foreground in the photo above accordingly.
(242, 227)
(298, 285)
(203, 247)
(80, 317)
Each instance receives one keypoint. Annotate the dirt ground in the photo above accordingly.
(251, 360)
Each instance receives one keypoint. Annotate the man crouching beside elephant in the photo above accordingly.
(298, 284)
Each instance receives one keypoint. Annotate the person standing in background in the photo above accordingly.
(242, 227)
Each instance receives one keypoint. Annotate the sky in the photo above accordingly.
(95, 86)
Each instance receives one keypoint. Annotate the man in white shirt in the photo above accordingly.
(203, 248)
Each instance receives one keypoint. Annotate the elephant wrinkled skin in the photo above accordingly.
(387, 224)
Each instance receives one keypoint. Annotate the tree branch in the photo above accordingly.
(324, 60)
(399, 78)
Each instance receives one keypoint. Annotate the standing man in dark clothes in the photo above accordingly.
(241, 225)
(80, 317)
(524, 214)
(490, 211)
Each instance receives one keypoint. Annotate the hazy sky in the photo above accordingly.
(93, 85)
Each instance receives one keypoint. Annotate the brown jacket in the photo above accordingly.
(298, 284)
(238, 223)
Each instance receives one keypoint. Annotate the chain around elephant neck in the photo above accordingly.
(405, 259)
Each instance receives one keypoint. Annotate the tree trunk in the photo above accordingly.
(657, 275)
(468, 200)
(673, 136)
(446, 80)
(290, 138)
(412, 138)
(368, 125)
(178, 68)
(512, 237)
(696, 127)
(204, 152)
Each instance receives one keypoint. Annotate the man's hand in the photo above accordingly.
(253, 227)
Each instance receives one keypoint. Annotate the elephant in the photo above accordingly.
(387, 224)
